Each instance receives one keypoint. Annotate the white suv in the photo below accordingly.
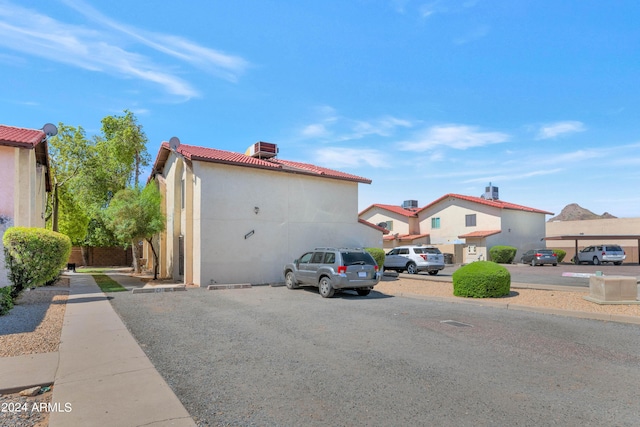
(414, 259)
(600, 253)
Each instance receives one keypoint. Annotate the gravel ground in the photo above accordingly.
(33, 326)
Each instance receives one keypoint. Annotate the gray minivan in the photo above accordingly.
(331, 269)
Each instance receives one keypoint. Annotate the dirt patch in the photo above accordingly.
(563, 300)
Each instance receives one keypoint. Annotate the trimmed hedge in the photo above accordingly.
(378, 255)
(502, 254)
(33, 256)
(561, 254)
(481, 279)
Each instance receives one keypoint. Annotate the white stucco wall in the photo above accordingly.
(295, 213)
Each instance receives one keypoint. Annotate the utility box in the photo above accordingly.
(613, 290)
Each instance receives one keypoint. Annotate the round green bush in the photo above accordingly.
(561, 254)
(33, 256)
(502, 254)
(378, 255)
(481, 279)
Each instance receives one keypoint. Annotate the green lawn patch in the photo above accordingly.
(107, 284)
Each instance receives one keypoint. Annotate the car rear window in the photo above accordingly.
(351, 258)
(613, 248)
(427, 250)
(545, 251)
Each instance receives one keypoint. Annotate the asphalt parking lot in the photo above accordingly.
(546, 274)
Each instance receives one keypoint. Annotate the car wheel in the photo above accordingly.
(412, 268)
(617, 263)
(533, 263)
(326, 290)
(596, 261)
(576, 260)
(290, 280)
(433, 272)
(363, 292)
(555, 264)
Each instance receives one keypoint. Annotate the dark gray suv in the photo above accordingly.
(331, 269)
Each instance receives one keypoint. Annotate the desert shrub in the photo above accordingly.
(561, 254)
(378, 255)
(33, 256)
(481, 279)
(502, 254)
(6, 302)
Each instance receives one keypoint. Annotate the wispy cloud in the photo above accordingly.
(455, 136)
(28, 31)
(341, 157)
(332, 127)
(553, 130)
(472, 35)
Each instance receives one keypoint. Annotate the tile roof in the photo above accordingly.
(372, 225)
(20, 137)
(406, 236)
(213, 155)
(482, 233)
(495, 203)
(393, 208)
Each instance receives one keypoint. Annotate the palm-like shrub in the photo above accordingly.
(561, 254)
(481, 279)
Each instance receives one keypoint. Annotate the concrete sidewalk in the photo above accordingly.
(103, 376)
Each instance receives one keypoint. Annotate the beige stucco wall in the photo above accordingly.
(611, 226)
(226, 241)
(401, 224)
(452, 214)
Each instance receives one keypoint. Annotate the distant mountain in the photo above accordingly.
(575, 212)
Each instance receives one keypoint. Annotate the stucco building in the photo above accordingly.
(464, 226)
(238, 218)
(24, 181)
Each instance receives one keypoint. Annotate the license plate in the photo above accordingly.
(362, 274)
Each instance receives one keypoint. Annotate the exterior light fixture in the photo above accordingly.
(256, 210)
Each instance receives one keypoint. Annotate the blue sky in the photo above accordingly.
(540, 97)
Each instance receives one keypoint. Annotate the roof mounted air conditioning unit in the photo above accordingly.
(410, 204)
(262, 150)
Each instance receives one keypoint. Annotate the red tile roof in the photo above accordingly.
(485, 233)
(20, 137)
(213, 155)
(36, 139)
(393, 208)
(406, 236)
(495, 203)
(372, 225)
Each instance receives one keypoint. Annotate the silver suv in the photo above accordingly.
(331, 269)
(600, 253)
(414, 259)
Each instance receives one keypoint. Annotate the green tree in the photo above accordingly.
(135, 214)
(126, 144)
(69, 153)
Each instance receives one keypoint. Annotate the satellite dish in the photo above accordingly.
(382, 224)
(174, 143)
(50, 130)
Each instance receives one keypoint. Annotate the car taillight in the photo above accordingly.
(342, 269)
(538, 255)
(554, 254)
(375, 267)
(603, 253)
(424, 257)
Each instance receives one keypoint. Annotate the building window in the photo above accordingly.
(435, 222)
(389, 225)
(470, 220)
